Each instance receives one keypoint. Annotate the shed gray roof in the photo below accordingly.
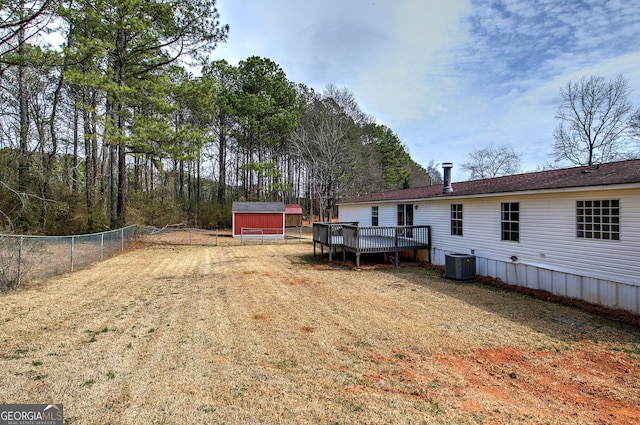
(261, 207)
(613, 173)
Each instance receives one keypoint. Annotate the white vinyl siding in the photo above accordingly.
(548, 240)
(361, 213)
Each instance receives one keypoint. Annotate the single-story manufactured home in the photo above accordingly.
(264, 220)
(574, 232)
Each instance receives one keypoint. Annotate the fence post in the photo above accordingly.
(72, 247)
(20, 260)
(102, 245)
(122, 239)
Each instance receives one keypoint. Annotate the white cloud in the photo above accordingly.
(447, 77)
(412, 74)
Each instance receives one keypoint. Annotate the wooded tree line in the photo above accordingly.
(116, 127)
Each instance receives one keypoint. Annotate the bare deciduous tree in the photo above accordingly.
(434, 176)
(493, 162)
(347, 101)
(594, 116)
(324, 142)
(634, 124)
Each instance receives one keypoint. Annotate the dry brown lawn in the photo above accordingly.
(265, 334)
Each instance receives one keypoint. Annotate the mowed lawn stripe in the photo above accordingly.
(257, 334)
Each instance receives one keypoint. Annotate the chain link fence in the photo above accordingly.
(181, 234)
(27, 258)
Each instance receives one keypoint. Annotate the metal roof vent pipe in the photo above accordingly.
(446, 168)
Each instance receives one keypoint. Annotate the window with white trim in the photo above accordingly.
(598, 219)
(456, 219)
(510, 221)
(374, 216)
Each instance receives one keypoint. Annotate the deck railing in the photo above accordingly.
(385, 238)
(330, 234)
(371, 239)
(378, 239)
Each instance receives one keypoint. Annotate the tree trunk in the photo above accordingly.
(181, 180)
(76, 142)
(222, 165)
(198, 182)
(95, 158)
(122, 183)
(23, 161)
(189, 184)
(54, 136)
(89, 168)
(113, 185)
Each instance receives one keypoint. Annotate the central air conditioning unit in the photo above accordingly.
(460, 266)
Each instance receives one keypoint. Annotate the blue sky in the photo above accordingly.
(448, 77)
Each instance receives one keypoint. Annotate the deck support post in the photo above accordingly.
(429, 245)
(357, 261)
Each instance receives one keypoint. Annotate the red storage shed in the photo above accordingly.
(258, 219)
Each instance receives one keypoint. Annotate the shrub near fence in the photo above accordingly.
(27, 258)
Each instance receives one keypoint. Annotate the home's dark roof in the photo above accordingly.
(612, 173)
(262, 207)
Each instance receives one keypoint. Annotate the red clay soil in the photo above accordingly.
(509, 385)
(558, 384)
(575, 383)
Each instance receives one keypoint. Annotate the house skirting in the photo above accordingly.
(597, 291)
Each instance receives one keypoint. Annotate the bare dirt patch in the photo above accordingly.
(263, 334)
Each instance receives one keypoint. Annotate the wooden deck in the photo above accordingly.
(350, 237)
(329, 235)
